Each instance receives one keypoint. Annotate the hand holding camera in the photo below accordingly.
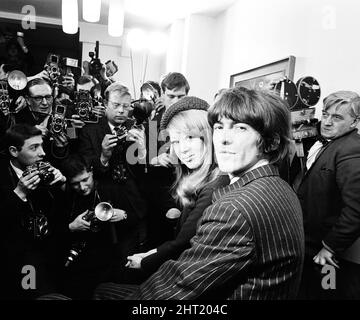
(79, 223)
(76, 121)
(138, 136)
(118, 215)
(27, 183)
(108, 144)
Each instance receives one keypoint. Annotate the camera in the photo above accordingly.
(52, 67)
(102, 213)
(36, 225)
(95, 65)
(45, 174)
(4, 98)
(111, 68)
(84, 106)
(58, 122)
(75, 251)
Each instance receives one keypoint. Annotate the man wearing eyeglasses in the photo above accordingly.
(39, 99)
(114, 146)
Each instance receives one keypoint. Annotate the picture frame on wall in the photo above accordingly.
(261, 77)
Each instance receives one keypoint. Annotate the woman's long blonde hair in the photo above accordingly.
(189, 182)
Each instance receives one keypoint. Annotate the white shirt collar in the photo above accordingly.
(18, 171)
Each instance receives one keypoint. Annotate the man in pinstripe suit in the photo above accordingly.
(250, 241)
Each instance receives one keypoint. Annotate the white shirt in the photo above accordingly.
(313, 152)
(19, 174)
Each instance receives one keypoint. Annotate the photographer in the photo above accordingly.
(108, 144)
(160, 174)
(96, 247)
(39, 112)
(31, 221)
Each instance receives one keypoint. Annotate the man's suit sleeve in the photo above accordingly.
(88, 149)
(347, 227)
(222, 249)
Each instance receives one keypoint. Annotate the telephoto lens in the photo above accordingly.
(75, 251)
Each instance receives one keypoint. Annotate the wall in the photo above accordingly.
(117, 49)
(113, 49)
(320, 34)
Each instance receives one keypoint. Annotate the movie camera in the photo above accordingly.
(301, 98)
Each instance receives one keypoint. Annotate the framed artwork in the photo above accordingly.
(261, 77)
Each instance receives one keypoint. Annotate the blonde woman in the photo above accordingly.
(196, 177)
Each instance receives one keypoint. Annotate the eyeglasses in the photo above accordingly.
(125, 106)
(39, 99)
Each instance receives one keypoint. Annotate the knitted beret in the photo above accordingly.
(184, 104)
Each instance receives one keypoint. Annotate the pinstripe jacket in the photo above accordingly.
(249, 245)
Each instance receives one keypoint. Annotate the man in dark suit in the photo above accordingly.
(329, 195)
(249, 243)
(115, 148)
(30, 220)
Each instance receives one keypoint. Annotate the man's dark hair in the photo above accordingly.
(154, 84)
(18, 133)
(175, 80)
(74, 165)
(35, 82)
(264, 111)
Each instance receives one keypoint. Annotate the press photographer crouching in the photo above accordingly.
(31, 223)
(92, 241)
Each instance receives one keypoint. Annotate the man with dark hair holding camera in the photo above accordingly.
(92, 245)
(30, 224)
(115, 147)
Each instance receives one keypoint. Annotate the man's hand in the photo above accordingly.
(68, 81)
(20, 104)
(324, 256)
(28, 183)
(99, 110)
(79, 224)
(118, 215)
(108, 144)
(76, 121)
(58, 176)
(42, 74)
(138, 136)
(43, 129)
(61, 140)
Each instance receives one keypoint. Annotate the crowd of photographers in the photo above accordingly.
(82, 185)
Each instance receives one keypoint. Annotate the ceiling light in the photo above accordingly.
(116, 18)
(91, 10)
(69, 14)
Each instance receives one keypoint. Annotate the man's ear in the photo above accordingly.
(14, 152)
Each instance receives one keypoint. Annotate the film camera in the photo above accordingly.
(102, 213)
(36, 225)
(84, 105)
(97, 217)
(45, 174)
(58, 121)
(52, 67)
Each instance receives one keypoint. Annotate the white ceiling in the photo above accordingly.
(138, 13)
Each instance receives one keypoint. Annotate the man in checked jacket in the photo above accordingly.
(250, 242)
